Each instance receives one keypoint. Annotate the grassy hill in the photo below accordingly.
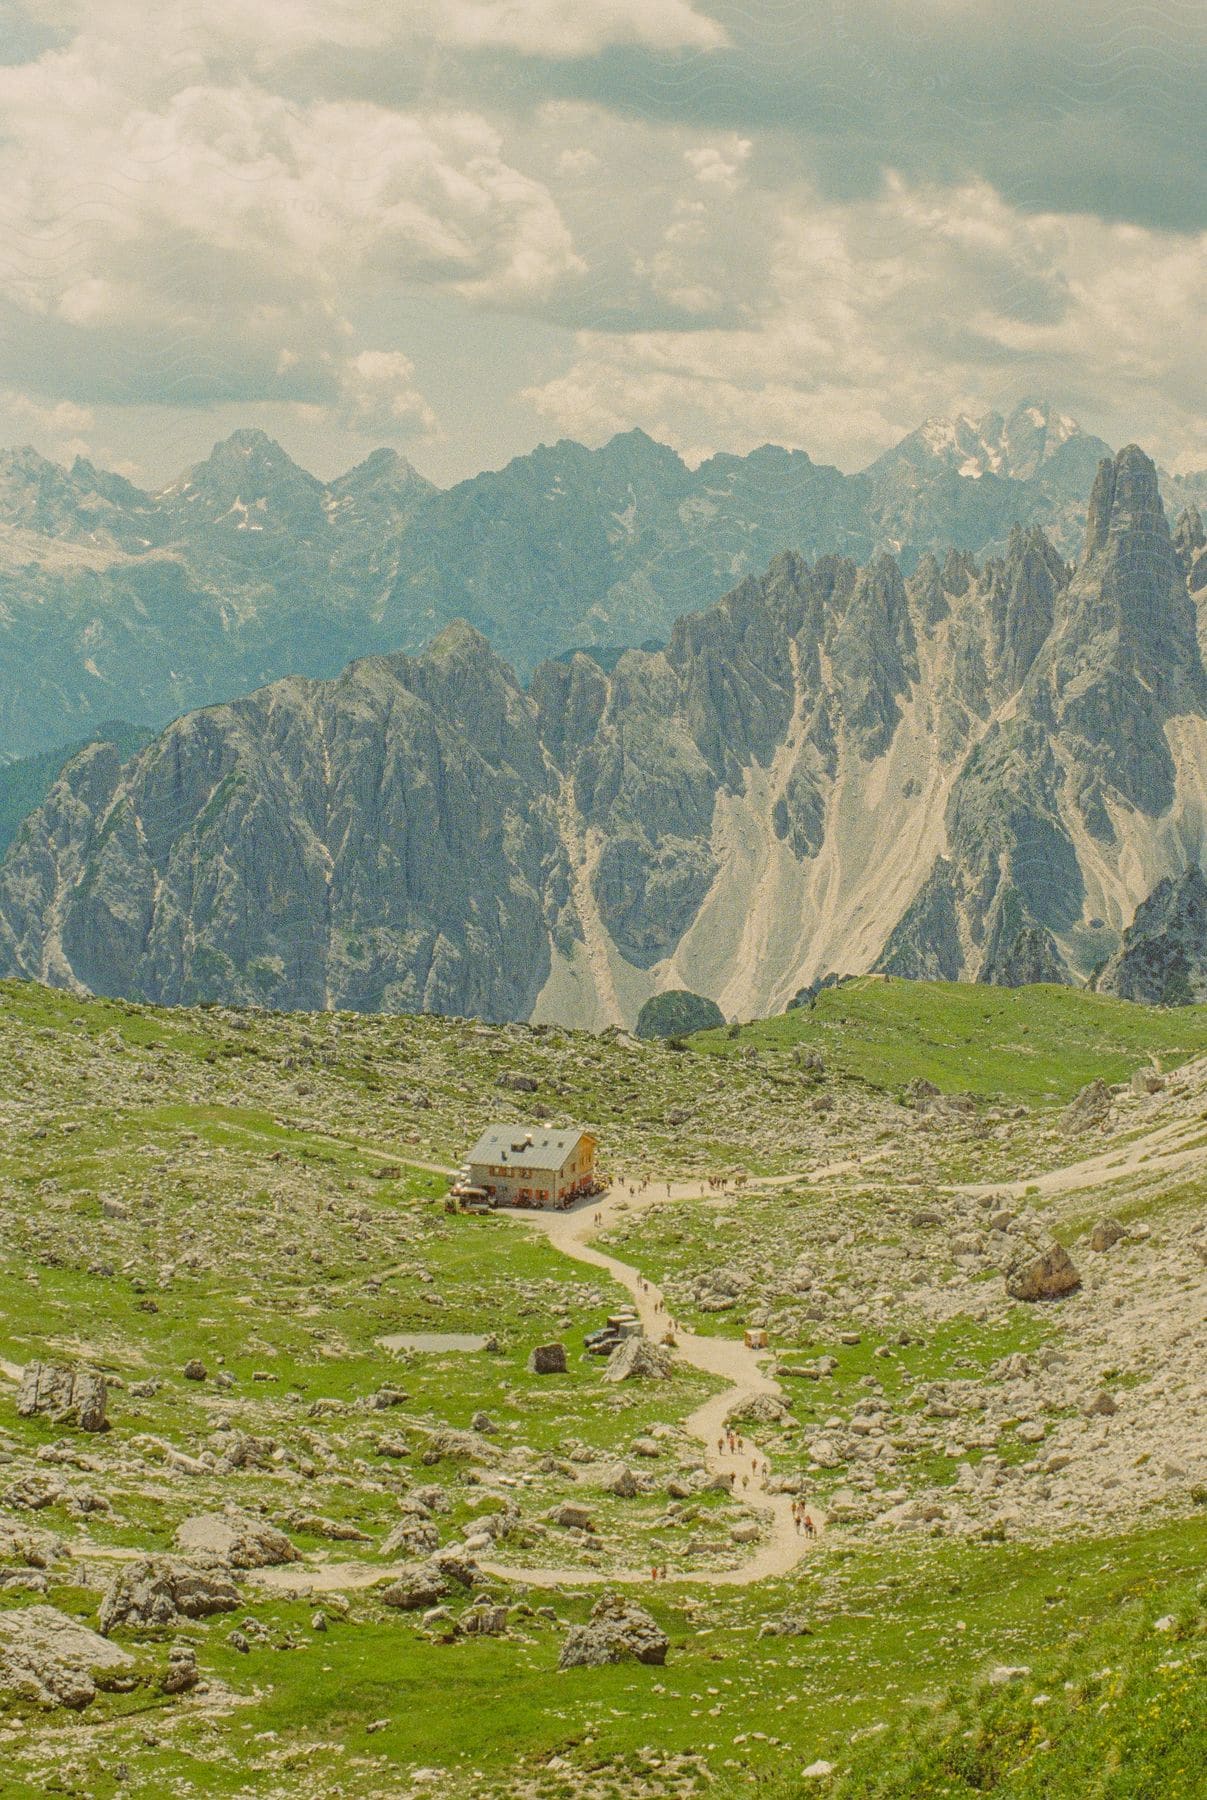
(1036, 1044)
(265, 1193)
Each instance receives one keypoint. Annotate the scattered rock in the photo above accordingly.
(1045, 1275)
(160, 1589)
(412, 1590)
(573, 1517)
(637, 1359)
(182, 1672)
(618, 1631)
(620, 1480)
(548, 1359)
(64, 1396)
(1106, 1233)
(1090, 1108)
(236, 1538)
(195, 1369)
(52, 1660)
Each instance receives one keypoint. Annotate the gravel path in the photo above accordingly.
(784, 1546)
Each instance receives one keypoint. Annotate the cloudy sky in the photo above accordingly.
(463, 226)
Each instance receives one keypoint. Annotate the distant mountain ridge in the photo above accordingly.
(975, 772)
(115, 603)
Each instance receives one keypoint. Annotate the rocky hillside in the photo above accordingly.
(1163, 956)
(968, 773)
(115, 603)
(290, 1450)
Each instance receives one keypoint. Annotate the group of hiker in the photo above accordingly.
(803, 1520)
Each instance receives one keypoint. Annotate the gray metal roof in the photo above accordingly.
(524, 1146)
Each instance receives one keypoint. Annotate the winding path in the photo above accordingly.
(783, 1546)
(779, 1551)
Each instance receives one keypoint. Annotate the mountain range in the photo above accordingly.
(975, 770)
(116, 603)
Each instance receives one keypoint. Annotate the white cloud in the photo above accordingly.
(719, 165)
(378, 395)
(216, 239)
(881, 312)
(61, 426)
(270, 31)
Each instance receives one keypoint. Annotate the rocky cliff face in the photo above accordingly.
(115, 603)
(968, 772)
(1163, 956)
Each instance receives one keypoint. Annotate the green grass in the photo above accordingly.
(1117, 1712)
(1035, 1044)
(893, 1631)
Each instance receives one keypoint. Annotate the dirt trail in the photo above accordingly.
(732, 1361)
(782, 1548)
(1174, 1149)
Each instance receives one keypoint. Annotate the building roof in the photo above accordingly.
(525, 1146)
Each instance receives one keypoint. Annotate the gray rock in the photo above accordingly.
(547, 1359)
(1044, 1275)
(1106, 1233)
(414, 1590)
(50, 1660)
(618, 1630)
(182, 1673)
(239, 1539)
(65, 1396)
(637, 1359)
(160, 1589)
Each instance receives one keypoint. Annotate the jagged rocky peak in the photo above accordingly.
(1125, 499)
(1016, 446)
(382, 471)
(833, 763)
(246, 474)
(1163, 956)
(1190, 545)
(1021, 596)
(76, 504)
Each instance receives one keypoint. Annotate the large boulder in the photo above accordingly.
(547, 1359)
(759, 1409)
(1090, 1108)
(459, 1445)
(636, 1359)
(29, 1548)
(158, 1590)
(1043, 1275)
(48, 1659)
(64, 1396)
(618, 1630)
(236, 1538)
(415, 1589)
(1106, 1233)
(411, 1536)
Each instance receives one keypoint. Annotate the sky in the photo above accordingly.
(463, 227)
